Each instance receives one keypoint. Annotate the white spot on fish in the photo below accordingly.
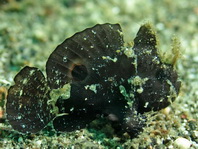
(93, 32)
(64, 59)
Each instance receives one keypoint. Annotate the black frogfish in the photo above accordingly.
(94, 74)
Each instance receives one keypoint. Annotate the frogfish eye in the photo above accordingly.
(79, 72)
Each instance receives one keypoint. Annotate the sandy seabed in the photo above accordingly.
(31, 30)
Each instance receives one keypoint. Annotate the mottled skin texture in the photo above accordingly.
(94, 62)
(27, 109)
(106, 74)
(151, 66)
(108, 101)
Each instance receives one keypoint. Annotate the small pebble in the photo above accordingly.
(166, 110)
(182, 143)
(38, 142)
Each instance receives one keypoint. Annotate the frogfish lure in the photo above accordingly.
(102, 78)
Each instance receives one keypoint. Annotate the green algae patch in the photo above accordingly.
(55, 94)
